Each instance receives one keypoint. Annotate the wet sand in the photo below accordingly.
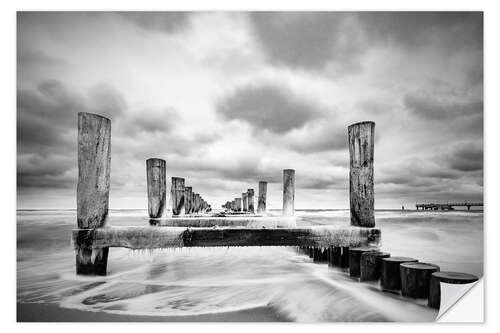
(38, 312)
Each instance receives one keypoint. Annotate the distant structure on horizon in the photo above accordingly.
(447, 206)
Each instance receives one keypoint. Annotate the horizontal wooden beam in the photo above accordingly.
(231, 221)
(171, 237)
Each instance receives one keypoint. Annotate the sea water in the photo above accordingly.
(196, 281)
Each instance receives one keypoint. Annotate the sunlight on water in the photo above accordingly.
(215, 280)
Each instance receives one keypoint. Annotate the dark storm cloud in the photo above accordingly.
(46, 129)
(45, 114)
(268, 107)
(308, 40)
(158, 21)
(432, 107)
(453, 30)
(312, 40)
(466, 157)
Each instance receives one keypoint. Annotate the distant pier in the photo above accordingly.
(447, 206)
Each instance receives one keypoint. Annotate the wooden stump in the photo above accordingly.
(354, 259)
(187, 200)
(156, 183)
(361, 149)
(261, 205)
(390, 278)
(336, 256)
(244, 201)
(446, 277)
(288, 192)
(237, 205)
(250, 195)
(416, 278)
(177, 192)
(94, 167)
(371, 265)
(344, 259)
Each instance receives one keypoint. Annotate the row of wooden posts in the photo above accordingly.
(245, 203)
(94, 165)
(403, 275)
(184, 200)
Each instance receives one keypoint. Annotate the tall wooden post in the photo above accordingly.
(187, 199)
(92, 196)
(250, 195)
(288, 192)
(177, 194)
(361, 148)
(261, 205)
(156, 179)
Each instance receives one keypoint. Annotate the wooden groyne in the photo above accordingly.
(94, 154)
(353, 248)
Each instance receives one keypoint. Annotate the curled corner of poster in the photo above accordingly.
(462, 303)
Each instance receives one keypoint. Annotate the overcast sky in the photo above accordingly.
(228, 99)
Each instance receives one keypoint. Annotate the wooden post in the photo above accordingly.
(371, 265)
(354, 259)
(244, 201)
(390, 277)
(261, 205)
(94, 165)
(336, 256)
(196, 203)
(187, 199)
(177, 193)
(416, 278)
(344, 259)
(288, 192)
(361, 147)
(250, 195)
(156, 184)
(446, 277)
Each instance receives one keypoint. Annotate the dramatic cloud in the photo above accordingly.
(232, 98)
(159, 21)
(309, 40)
(430, 106)
(268, 107)
(466, 157)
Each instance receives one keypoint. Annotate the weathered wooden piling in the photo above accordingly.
(250, 195)
(196, 203)
(354, 259)
(244, 201)
(371, 265)
(177, 194)
(390, 276)
(156, 185)
(187, 199)
(288, 192)
(261, 204)
(94, 165)
(416, 278)
(344, 259)
(446, 277)
(361, 150)
(336, 254)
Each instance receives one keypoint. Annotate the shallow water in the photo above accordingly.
(216, 280)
